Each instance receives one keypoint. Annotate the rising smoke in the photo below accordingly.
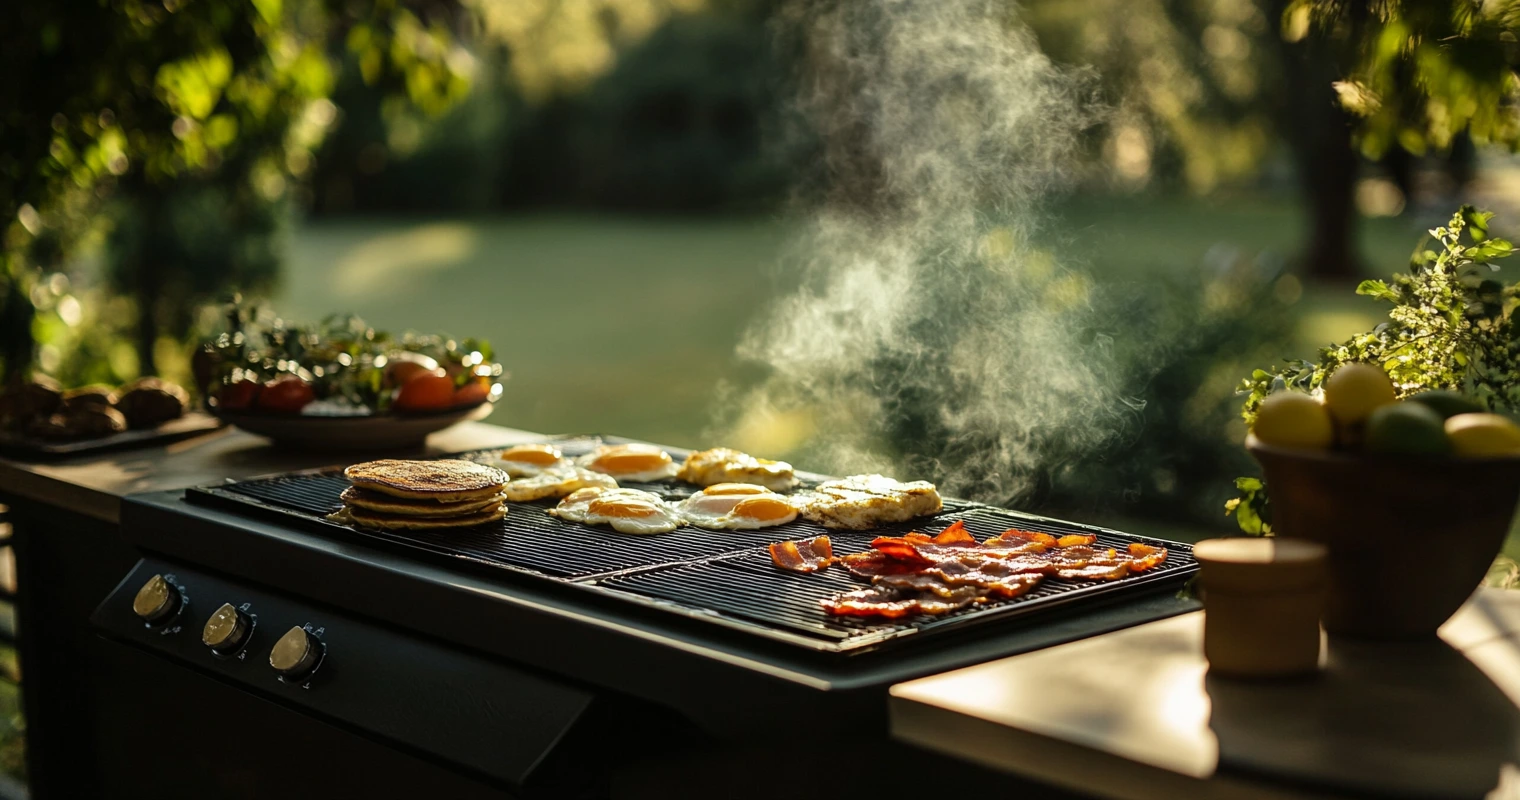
(925, 335)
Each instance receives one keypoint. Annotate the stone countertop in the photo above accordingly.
(93, 484)
(1134, 714)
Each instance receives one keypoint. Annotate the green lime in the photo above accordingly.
(1447, 403)
(1407, 429)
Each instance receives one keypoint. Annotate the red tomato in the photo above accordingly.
(287, 395)
(400, 373)
(238, 396)
(425, 393)
(471, 394)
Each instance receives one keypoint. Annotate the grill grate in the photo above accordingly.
(747, 585)
(527, 537)
(714, 575)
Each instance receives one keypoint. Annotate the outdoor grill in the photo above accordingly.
(722, 576)
(520, 653)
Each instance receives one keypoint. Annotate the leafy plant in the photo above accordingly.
(1452, 326)
(342, 357)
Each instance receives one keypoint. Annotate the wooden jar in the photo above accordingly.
(1262, 602)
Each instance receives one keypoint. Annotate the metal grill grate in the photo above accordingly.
(723, 576)
(527, 537)
(747, 585)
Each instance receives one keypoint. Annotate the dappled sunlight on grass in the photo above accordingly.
(394, 264)
(628, 325)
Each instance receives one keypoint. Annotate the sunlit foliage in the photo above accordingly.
(1422, 71)
(1191, 82)
(106, 96)
(556, 46)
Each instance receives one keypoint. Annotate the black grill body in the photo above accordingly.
(694, 628)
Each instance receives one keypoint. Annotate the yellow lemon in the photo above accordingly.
(1483, 435)
(1293, 419)
(1354, 391)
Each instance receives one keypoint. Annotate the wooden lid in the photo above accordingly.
(1259, 564)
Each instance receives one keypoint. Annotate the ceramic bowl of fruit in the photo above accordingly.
(344, 386)
(1413, 497)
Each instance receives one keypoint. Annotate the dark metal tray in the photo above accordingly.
(193, 423)
(720, 577)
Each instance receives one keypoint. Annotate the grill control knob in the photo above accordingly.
(157, 601)
(296, 653)
(226, 630)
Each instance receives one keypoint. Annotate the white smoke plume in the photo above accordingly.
(924, 335)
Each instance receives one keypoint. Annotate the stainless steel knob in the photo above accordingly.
(296, 653)
(226, 630)
(157, 601)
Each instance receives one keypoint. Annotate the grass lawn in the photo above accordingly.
(626, 325)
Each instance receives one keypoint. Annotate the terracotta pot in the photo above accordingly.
(1410, 539)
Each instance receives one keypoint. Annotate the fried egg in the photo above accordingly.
(528, 459)
(723, 465)
(626, 510)
(867, 501)
(555, 481)
(737, 506)
(631, 462)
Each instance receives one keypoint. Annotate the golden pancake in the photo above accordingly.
(370, 519)
(443, 481)
(406, 507)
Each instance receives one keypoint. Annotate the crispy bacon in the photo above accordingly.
(808, 555)
(921, 574)
(874, 562)
(956, 536)
(1014, 534)
(1145, 556)
(1095, 572)
(893, 604)
(945, 581)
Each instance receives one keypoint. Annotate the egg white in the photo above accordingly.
(518, 468)
(598, 460)
(721, 510)
(556, 482)
(592, 506)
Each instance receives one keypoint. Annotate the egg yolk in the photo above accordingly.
(735, 488)
(627, 509)
(581, 495)
(624, 461)
(532, 454)
(763, 508)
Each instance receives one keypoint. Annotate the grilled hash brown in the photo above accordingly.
(866, 501)
(447, 481)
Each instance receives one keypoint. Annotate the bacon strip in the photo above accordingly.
(1145, 556)
(808, 555)
(894, 604)
(921, 574)
(955, 536)
(1028, 536)
(1095, 572)
(874, 562)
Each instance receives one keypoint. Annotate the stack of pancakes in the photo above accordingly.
(391, 494)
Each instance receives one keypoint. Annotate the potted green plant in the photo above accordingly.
(1411, 480)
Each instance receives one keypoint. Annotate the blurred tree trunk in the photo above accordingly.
(1319, 132)
(147, 272)
(16, 313)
